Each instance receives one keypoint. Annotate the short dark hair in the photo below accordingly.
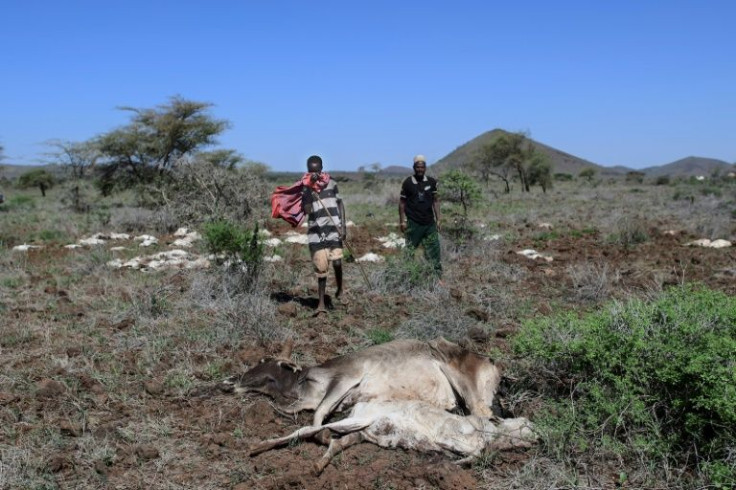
(314, 159)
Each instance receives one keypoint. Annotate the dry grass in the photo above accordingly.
(130, 350)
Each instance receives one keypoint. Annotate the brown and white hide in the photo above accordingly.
(414, 425)
(439, 373)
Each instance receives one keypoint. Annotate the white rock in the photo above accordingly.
(187, 240)
(273, 258)
(94, 240)
(370, 257)
(116, 249)
(302, 239)
(119, 236)
(492, 238)
(183, 231)
(545, 226)
(533, 254)
(73, 246)
(134, 263)
(146, 240)
(392, 241)
(349, 224)
(25, 247)
(702, 242)
(272, 242)
(720, 243)
(115, 263)
(264, 232)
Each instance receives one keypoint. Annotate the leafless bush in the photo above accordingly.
(201, 191)
(591, 282)
(630, 230)
(238, 314)
(438, 316)
(132, 220)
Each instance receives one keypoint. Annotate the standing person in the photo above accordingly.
(326, 220)
(419, 213)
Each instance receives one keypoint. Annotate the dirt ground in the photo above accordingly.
(144, 434)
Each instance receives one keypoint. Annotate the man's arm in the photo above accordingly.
(402, 215)
(436, 210)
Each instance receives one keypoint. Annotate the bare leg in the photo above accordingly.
(336, 447)
(321, 286)
(337, 264)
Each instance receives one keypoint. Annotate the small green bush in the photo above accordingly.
(630, 231)
(239, 248)
(652, 381)
(663, 180)
(20, 202)
(379, 336)
(404, 272)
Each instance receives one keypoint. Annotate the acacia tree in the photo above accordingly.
(459, 187)
(155, 141)
(37, 178)
(540, 171)
(78, 157)
(587, 174)
(507, 154)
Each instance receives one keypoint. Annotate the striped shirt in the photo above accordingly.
(324, 222)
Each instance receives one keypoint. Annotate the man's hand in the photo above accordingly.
(402, 226)
(439, 227)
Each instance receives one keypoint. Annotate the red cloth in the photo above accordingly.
(316, 185)
(286, 200)
(286, 203)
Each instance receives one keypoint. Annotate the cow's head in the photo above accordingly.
(274, 377)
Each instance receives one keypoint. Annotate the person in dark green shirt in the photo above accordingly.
(419, 213)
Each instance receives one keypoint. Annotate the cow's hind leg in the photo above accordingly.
(345, 426)
(303, 433)
(336, 447)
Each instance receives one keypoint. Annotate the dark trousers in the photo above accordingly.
(429, 238)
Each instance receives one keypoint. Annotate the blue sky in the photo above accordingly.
(630, 82)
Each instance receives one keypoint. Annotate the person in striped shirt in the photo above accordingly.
(327, 229)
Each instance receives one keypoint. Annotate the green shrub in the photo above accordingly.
(379, 336)
(652, 381)
(21, 201)
(239, 248)
(662, 180)
(630, 231)
(404, 272)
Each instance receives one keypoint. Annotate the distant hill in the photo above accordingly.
(396, 170)
(12, 172)
(690, 167)
(560, 161)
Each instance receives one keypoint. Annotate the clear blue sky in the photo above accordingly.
(628, 82)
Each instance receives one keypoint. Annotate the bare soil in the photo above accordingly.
(205, 434)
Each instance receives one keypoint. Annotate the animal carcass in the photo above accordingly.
(439, 373)
(413, 425)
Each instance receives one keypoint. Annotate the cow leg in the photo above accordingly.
(335, 393)
(336, 447)
(302, 433)
(345, 426)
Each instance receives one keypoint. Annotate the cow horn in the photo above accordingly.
(286, 349)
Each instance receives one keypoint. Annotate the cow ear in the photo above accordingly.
(289, 365)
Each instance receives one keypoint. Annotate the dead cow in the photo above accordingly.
(414, 425)
(439, 373)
